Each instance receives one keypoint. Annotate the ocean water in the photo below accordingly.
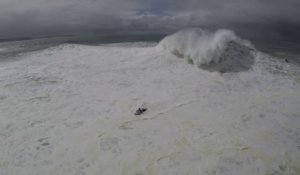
(281, 49)
(11, 50)
(217, 105)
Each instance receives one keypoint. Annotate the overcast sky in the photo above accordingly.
(62, 17)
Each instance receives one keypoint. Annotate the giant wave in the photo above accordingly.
(221, 51)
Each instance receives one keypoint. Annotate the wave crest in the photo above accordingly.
(221, 51)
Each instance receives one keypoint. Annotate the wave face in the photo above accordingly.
(221, 51)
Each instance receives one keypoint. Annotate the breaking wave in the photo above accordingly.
(221, 51)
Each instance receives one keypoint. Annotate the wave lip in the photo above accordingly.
(220, 51)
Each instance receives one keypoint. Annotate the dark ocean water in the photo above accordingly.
(286, 50)
(12, 50)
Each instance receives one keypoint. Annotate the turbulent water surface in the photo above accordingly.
(216, 106)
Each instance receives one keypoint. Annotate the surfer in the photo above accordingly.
(140, 111)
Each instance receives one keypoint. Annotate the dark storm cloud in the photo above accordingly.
(45, 17)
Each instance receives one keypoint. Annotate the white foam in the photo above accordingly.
(132, 45)
(70, 110)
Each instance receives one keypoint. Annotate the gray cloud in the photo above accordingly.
(45, 17)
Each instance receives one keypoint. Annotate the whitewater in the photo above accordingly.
(216, 106)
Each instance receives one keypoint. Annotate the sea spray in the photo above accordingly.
(221, 51)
